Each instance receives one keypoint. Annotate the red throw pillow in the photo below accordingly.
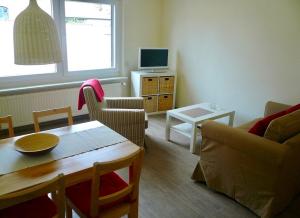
(293, 108)
(259, 128)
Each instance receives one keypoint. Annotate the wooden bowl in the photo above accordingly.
(36, 143)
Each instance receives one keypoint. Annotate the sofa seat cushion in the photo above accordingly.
(284, 127)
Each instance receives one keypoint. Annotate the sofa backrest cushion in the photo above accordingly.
(272, 107)
(284, 127)
(294, 142)
(259, 128)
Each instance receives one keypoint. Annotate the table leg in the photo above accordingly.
(193, 138)
(231, 118)
(167, 131)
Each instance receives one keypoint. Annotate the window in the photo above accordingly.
(87, 31)
(91, 25)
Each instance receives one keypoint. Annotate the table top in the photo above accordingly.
(76, 168)
(199, 112)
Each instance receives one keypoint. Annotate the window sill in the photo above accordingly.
(56, 86)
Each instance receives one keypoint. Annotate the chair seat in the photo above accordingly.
(42, 207)
(80, 194)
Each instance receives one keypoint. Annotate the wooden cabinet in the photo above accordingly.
(157, 89)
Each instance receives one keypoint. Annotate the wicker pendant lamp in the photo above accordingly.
(36, 39)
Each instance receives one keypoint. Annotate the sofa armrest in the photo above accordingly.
(125, 102)
(274, 107)
(257, 147)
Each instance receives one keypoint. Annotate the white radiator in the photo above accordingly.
(21, 106)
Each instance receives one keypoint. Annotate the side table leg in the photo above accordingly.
(231, 118)
(167, 131)
(193, 139)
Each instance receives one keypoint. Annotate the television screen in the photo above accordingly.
(153, 58)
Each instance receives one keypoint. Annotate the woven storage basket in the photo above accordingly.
(165, 102)
(150, 103)
(166, 84)
(149, 85)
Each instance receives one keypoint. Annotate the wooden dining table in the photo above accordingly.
(76, 168)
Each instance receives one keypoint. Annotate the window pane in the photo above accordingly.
(9, 9)
(89, 38)
(88, 10)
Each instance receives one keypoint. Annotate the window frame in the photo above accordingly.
(62, 75)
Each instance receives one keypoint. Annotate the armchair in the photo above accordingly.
(125, 115)
(261, 174)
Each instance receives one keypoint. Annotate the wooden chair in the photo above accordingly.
(107, 194)
(34, 202)
(39, 114)
(8, 120)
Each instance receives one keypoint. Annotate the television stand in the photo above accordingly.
(154, 71)
(157, 88)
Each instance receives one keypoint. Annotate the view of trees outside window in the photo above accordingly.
(9, 9)
(89, 35)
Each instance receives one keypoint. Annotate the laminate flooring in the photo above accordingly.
(166, 187)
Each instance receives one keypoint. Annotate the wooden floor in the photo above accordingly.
(166, 189)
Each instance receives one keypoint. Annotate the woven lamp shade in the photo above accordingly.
(36, 39)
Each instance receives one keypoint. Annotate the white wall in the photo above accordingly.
(237, 53)
(141, 28)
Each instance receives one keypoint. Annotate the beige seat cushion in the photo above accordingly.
(284, 127)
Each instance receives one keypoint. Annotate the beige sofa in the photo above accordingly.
(261, 174)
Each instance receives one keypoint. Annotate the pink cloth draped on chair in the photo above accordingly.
(96, 85)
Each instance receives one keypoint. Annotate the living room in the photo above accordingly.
(235, 54)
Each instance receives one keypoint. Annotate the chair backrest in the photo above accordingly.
(134, 163)
(55, 186)
(8, 120)
(50, 112)
(91, 101)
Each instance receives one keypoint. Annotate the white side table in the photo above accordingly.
(192, 116)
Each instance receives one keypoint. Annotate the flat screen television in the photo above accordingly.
(153, 58)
